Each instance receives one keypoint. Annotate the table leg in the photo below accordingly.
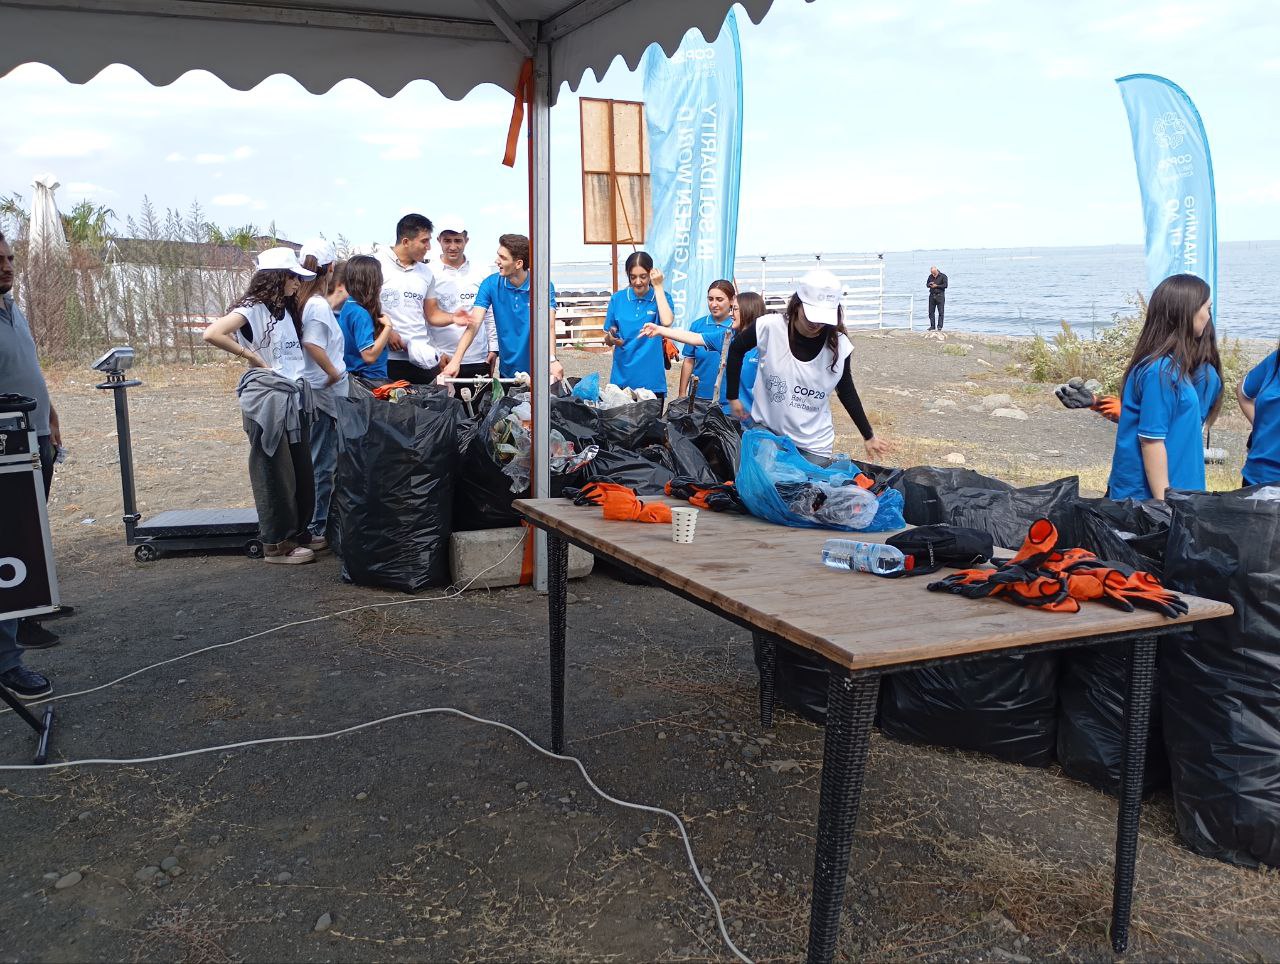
(851, 709)
(1137, 719)
(768, 651)
(557, 590)
(43, 726)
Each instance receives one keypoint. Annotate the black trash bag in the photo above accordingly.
(717, 436)
(392, 509)
(962, 497)
(799, 680)
(577, 421)
(1220, 683)
(1093, 681)
(632, 427)
(483, 499)
(632, 470)
(687, 458)
(1005, 706)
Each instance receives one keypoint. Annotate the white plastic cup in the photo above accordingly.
(684, 518)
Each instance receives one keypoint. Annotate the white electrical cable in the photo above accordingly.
(684, 834)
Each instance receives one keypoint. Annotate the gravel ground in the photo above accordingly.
(432, 837)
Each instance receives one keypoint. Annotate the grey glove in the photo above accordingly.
(1078, 393)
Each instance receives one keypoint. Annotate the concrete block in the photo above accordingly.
(475, 552)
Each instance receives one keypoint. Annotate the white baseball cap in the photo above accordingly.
(819, 291)
(282, 259)
(321, 249)
(450, 222)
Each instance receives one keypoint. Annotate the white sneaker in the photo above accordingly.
(295, 557)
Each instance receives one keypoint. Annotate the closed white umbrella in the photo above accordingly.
(45, 235)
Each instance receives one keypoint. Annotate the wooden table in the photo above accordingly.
(771, 580)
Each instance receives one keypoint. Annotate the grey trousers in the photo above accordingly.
(284, 489)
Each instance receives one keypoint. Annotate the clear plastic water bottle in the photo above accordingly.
(873, 557)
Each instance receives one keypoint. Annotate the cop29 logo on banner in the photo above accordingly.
(1170, 131)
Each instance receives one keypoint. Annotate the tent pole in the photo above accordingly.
(540, 316)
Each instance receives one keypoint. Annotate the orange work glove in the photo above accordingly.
(1108, 406)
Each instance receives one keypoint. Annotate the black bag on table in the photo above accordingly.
(1093, 680)
(1005, 706)
(630, 469)
(392, 510)
(1220, 682)
(933, 547)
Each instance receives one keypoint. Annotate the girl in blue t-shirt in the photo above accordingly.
(364, 332)
(1158, 440)
(703, 360)
(639, 362)
(1259, 396)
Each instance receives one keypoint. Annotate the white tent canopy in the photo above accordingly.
(456, 44)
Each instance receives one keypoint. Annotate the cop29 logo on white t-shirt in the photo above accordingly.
(777, 387)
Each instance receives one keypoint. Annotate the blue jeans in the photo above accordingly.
(324, 460)
(10, 651)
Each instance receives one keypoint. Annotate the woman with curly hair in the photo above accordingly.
(265, 329)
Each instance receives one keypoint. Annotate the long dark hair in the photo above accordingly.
(1169, 332)
(795, 311)
(320, 285)
(266, 287)
(750, 307)
(639, 258)
(363, 281)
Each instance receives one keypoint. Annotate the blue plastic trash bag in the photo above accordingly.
(780, 485)
(588, 389)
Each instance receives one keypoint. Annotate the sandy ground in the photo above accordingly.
(434, 838)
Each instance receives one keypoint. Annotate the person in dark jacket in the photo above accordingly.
(937, 285)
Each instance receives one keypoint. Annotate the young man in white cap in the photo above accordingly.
(457, 281)
(410, 301)
(262, 329)
(326, 372)
(803, 358)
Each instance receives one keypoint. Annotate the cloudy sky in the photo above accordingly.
(869, 127)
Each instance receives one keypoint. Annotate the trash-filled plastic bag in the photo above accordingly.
(1093, 680)
(630, 469)
(588, 389)
(1220, 682)
(1005, 706)
(717, 436)
(962, 497)
(780, 485)
(634, 425)
(392, 510)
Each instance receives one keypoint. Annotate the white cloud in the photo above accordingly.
(242, 153)
(400, 146)
(210, 158)
(1165, 22)
(1069, 68)
(174, 157)
(340, 182)
(70, 142)
(87, 189)
(231, 200)
(1270, 66)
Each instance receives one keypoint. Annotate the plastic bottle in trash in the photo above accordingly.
(873, 557)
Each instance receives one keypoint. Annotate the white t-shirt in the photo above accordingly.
(792, 397)
(403, 292)
(320, 327)
(275, 340)
(456, 289)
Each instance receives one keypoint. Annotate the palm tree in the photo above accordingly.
(13, 211)
(88, 224)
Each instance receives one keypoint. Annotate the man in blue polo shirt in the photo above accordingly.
(507, 293)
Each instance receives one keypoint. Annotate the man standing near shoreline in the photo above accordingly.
(937, 285)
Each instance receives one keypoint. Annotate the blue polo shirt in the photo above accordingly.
(1156, 405)
(746, 382)
(1208, 387)
(1262, 384)
(638, 363)
(706, 357)
(358, 333)
(510, 306)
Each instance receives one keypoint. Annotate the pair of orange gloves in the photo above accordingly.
(1045, 577)
(622, 504)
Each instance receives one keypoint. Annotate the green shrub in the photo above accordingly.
(1106, 356)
